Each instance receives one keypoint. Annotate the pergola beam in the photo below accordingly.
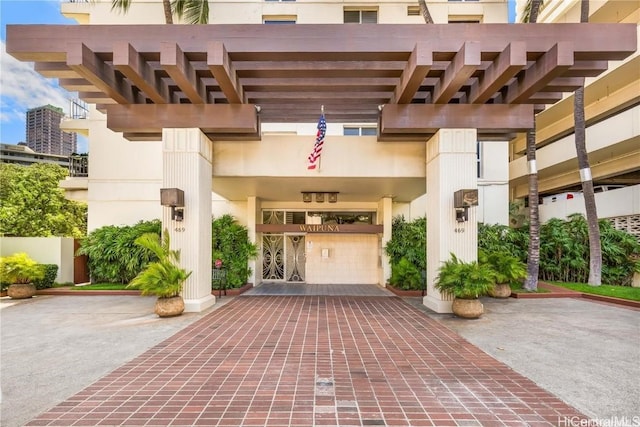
(129, 62)
(222, 69)
(82, 60)
(551, 65)
(429, 118)
(463, 65)
(175, 63)
(510, 61)
(417, 68)
(210, 118)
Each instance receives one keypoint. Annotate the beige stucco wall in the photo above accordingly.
(325, 12)
(351, 259)
(45, 250)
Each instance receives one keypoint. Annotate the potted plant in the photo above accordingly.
(162, 278)
(507, 269)
(466, 281)
(20, 271)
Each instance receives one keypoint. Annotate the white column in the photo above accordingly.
(186, 164)
(385, 217)
(451, 166)
(253, 210)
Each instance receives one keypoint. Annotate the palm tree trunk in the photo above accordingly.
(424, 9)
(595, 250)
(533, 255)
(168, 15)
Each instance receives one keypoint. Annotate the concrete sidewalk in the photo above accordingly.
(582, 352)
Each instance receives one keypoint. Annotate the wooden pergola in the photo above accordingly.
(410, 79)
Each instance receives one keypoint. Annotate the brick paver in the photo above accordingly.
(312, 360)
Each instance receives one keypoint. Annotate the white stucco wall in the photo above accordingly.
(45, 250)
(614, 203)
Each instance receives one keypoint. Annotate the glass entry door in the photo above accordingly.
(283, 257)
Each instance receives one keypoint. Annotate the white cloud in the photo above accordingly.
(23, 88)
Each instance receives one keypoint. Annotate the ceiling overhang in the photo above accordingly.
(398, 75)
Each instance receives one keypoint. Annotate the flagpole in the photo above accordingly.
(320, 158)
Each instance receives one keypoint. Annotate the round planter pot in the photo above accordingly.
(467, 308)
(21, 290)
(169, 307)
(500, 290)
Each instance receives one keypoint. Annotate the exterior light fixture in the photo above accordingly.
(319, 197)
(174, 198)
(306, 197)
(462, 201)
(332, 197)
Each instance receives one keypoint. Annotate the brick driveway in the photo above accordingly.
(312, 360)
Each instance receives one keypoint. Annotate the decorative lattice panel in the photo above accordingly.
(629, 223)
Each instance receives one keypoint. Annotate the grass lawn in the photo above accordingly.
(624, 292)
(102, 287)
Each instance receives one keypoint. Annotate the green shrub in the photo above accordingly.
(496, 238)
(230, 244)
(507, 268)
(112, 253)
(408, 242)
(50, 273)
(19, 268)
(406, 276)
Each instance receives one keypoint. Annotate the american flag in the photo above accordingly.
(314, 157)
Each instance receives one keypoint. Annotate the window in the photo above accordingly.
(279, 19)
(413, 10)
(360, 16)
(359, 131)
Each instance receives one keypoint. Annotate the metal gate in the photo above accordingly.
(283, 258)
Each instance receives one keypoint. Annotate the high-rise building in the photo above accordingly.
(44, 134)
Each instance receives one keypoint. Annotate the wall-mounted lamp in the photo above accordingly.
(319, 197)
(462, 201)
(174, 198)
(307, 197)
(333, 197)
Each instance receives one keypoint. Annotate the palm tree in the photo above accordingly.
(424, 10)
(533, 258)
(194, 11)
(595, 249)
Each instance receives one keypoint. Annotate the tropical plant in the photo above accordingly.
(112, 253)
(194, 11)
(32, 204)
(507, 268)
(231, 245)
(164, 277)
(533, 257)
(49, 277)
(503, 239)
(408, 241)
(19, 268)
(465, 280)
(405, 276)
(595, 249)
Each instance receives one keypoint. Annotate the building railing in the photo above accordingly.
(78, 108)
(79, 166)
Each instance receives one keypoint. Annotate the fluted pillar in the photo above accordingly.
(451, 166)
(186, 164)
(385, 217)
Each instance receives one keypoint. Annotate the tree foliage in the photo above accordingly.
(113, 254)
(32, 204)
(230, 244)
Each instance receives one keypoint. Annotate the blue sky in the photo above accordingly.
(21, 88)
